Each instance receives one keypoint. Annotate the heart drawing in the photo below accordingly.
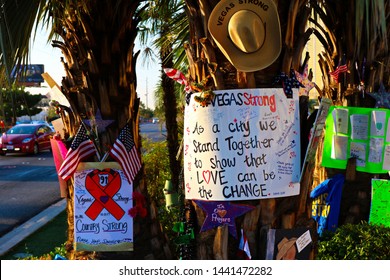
(221, 213)
(206, 176)
(104, 198)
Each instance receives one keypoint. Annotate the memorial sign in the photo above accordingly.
(244, 145)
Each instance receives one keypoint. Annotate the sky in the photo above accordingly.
(43, 53)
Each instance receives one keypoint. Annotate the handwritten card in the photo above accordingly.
(303, 241)
(244, 145)
(378, 123)
(103, 198)
(340, 116)
(386, 158)
(388, 134)
(358, 151)
(376, 150)
(359, 125)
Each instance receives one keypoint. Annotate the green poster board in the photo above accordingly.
(357, 132)
(380, 202)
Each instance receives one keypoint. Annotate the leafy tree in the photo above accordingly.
(145, 113)
(18, 102)
(52, 114)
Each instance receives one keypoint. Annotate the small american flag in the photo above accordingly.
(178, 77)
(341, 68)
(244, 251)
(81, 148)
(124, 151)
(288, 83)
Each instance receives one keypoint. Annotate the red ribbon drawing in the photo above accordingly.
(103, 185)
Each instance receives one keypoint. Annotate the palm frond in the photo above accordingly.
(15, 32)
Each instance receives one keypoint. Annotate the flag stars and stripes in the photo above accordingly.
(288, 83)
(341, 68)
(125, 153)
(179, 77)
(81, 148)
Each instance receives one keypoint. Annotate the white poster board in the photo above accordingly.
(102, 200)
(244, 145)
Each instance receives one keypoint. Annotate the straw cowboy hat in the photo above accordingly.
(284, 246)
(247, 32)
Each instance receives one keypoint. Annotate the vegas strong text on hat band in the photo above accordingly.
(231, 5)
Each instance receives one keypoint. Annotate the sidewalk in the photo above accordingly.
(11, 239)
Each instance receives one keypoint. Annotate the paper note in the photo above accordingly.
(359, 124)
(388, 134)
(378, 123)
(386, 158)
(340, 120)
(358, 150)
(303, 241)
(339, 149)
(376, 149)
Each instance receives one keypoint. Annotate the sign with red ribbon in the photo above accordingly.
(103, 198)
(103, 185)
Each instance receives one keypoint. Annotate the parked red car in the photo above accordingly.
(26, 138)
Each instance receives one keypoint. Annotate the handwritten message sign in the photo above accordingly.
(103, 197)
(244, 145)
(357, 132)
(380, 203)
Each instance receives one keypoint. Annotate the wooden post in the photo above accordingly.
(350, 174)
(220, 248)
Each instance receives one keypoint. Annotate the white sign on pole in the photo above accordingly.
(244, 145)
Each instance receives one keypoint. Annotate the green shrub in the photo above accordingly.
(156, 162)
(356, 242)
(157, 171)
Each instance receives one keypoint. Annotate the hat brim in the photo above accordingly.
(247, 62)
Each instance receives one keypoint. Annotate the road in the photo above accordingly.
(29, 184)
(154, 131)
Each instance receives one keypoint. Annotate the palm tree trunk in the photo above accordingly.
(170, 107)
